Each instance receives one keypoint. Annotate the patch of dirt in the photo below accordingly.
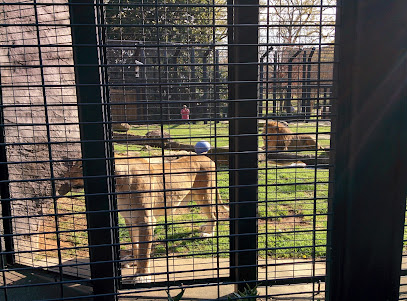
(289, 222)
(71, 229)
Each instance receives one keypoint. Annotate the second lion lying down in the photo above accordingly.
(143, 193)
(278, 137)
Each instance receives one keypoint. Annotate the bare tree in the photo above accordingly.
(297, 22)
(289, 26)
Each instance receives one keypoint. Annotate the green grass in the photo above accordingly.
(190, 133)
(183, 236)
(137, 150)
(290, 212)
(292, 207)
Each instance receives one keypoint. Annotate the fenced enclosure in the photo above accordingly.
(153, 146)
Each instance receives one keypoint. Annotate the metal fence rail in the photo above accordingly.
(152, 146)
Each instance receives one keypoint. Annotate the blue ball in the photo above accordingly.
(202, 147)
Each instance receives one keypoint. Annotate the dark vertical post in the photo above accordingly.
(5, 193)
(275, 82)
(287, 101)
(370, 151)
(192, 88)
(304, 85)
(216, 88)
(95, 149)
(261, 79)
(205, 77)
(243, 143)
(176, 91)
(325, 104)
(142, 96)
(165, 99)
(261, 86)
(309, 86)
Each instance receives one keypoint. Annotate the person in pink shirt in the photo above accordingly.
(185, 113)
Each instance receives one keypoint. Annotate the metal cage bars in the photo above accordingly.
(243, 74)
(352, 186)
(96, 150)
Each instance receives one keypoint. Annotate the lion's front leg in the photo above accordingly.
(205, 198)
(129, 260)
(142, 241)
(139, 222)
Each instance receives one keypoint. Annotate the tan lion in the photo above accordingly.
(140, 190)
(278, 137)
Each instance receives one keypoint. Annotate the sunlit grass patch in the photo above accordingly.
(182, 236)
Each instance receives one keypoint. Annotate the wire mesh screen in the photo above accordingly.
(40, 138)
(119, 138)
(296, 74)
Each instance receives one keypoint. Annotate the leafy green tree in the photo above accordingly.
(169, 21)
